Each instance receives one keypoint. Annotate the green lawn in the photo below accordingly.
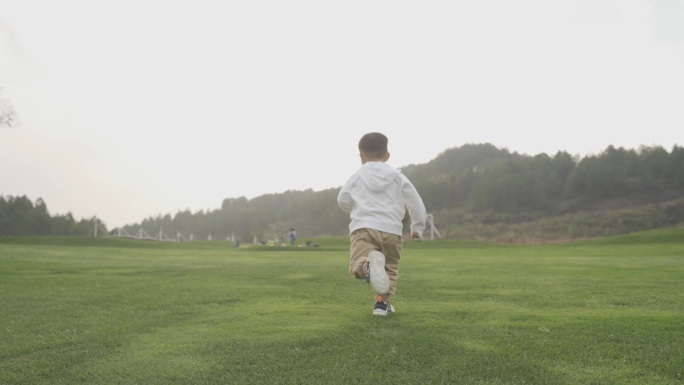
(111, 311)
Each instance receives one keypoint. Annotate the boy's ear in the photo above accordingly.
(387, 157)
(363, 158)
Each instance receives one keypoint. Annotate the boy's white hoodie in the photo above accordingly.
(377, 197)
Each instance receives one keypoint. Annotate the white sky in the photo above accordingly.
(131, 109)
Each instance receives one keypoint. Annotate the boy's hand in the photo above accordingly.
(415, 235)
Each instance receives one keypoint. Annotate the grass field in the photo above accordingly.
(112, 311)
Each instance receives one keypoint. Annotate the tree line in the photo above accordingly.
(475, 184)
(19, 216)
(485, 178)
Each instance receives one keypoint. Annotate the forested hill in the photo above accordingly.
(482, 192)
(476, 191)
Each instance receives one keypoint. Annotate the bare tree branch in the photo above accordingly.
(8, 115)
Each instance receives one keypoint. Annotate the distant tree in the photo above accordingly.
(675, 169)
(18, 211)
(3, 216)
(63, 224)
(41, 222)
(8, 115)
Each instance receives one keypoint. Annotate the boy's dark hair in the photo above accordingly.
(373, 145)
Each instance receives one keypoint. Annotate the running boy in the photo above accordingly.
(377, 197)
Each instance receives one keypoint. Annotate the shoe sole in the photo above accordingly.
(380, 312)
(379, 279)
(383, 313)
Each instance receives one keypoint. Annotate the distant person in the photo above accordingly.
(377, 197)
(293, 236)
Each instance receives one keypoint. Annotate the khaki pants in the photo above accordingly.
(363, 241)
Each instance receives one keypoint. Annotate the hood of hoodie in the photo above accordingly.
(378, 175)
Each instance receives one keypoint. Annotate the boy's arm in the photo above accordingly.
(344, 198)
(416, 209)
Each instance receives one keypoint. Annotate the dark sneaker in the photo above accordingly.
(379, 279)
(383, 309)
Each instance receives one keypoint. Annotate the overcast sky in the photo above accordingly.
(132, 109)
